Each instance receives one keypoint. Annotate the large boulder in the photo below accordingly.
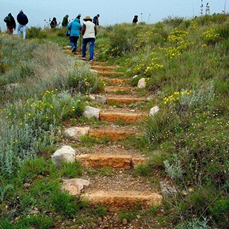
(65, 154)
(76, 132)
(91, 112)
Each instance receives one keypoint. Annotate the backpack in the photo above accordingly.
(7, 19)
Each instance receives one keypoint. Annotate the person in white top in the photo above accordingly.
(89, 33)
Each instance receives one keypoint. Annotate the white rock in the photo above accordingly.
(92, 97)
(91, 112)
(65, 154)
(75, 132)
(142, 83)
(75, 186)
(153, 110)
(93, 71)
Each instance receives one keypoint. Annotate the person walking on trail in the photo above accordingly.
(96, 20)
(65, 21)
(135, 20)
(10, 23)
(53, 23)
(23, 21)
(89, 33)
(74, 28)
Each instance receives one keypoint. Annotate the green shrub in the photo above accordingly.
(71, 170)
(64, 204)
(35, 32)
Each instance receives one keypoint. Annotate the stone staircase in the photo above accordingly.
(120, 190)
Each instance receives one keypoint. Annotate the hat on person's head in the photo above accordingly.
(67, 15)
(21, 11)
(87, 18)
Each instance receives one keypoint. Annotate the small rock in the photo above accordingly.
(100, 99)
(91, 112)
(65, 154)
(75, 186)
(93, 71)
(76, 132)
(153, 110)
(26, 185)
(167, 191)
(92, 97)
(142, 83)
(124, 222)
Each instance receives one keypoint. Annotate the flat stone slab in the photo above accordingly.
(113, 134)
(116, 161)
(109, 73)
(74, 186)
(101, 160)
(125, 117)
(118, 88)
(123, 100)
(103, 68)
(115, 81)
(122, 199)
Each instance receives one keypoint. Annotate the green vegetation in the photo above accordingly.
(185, 63)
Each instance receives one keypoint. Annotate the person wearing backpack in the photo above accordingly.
(53, 23)
(74, 28)
(23, 21)
(10, 23)
(96, 20)
(65, 21)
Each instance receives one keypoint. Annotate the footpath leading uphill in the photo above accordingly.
(109, 179)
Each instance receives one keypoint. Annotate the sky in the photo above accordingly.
(111, 11)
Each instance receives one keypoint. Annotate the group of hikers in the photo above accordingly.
(74, 30)
(88, 30)
(22, 20)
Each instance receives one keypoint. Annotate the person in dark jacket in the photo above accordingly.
(10, 23)
(96, 20)
(74, 28)
(135, 20)
(23, 21)
(53, 23)
(65, 21)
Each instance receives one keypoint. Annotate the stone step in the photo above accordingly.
(114, 134)
(122, 199)
(120, 116)
(124, 100)
(115, 81)
(109, 73)
(92, 63)
(117, 161)
(103, 68)
(118, 88)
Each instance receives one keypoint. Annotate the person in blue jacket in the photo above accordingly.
(23, 21)
(74, 28)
